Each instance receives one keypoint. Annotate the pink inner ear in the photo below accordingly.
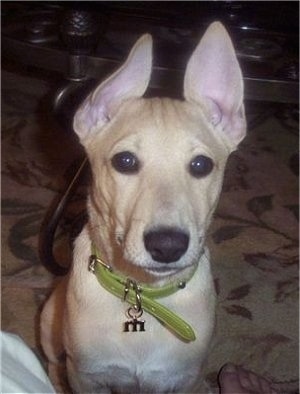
(217, 75)
(213, 76)
(129, 81)
(215, 114)
(89, 115)
(116, 89)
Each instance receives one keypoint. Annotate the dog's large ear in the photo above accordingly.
(129, 81)
(213, 77)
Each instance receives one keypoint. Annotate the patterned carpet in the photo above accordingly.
(253, 238)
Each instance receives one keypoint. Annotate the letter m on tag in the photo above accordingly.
(134, 325)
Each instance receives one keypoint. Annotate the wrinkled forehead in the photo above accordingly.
(164, 124)
(162, 116)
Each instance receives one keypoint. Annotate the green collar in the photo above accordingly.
(121, 287)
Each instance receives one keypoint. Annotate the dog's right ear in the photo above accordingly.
(129, 81)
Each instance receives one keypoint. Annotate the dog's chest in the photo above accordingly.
(99, 344)
(150, 361)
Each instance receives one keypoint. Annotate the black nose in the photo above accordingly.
(166, 245)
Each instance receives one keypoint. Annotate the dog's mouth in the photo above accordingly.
(162, 271)
(169, 270)
(165, 252)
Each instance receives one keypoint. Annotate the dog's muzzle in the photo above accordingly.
(166, 245)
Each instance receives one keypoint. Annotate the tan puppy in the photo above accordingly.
(157, 169)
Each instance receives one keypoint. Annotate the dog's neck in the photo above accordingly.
(142, 297)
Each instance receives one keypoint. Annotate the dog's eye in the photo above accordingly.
(201, 166)
(125, 162)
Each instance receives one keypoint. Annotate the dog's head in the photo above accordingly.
(157, 163)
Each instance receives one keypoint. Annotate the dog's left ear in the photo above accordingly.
(213, 77)
(129, 81)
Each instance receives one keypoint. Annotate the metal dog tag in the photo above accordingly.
(134, 312)
(134, 324)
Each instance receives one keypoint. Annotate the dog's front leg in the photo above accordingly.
(52, 336)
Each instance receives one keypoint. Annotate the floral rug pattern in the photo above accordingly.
(253, 238)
